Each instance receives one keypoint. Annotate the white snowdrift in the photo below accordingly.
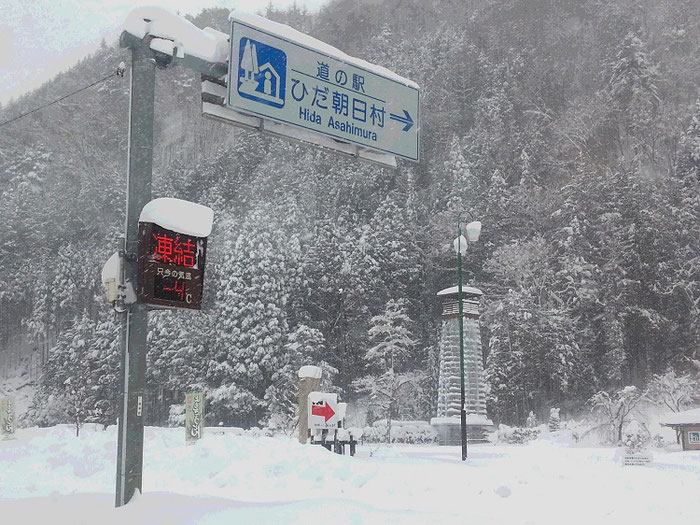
(50, 476)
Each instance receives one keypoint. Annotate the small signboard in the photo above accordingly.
(323, 410)
(194, 416)
(286, 77)
(7, 417)
(638, 459)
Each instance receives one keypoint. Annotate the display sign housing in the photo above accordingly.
(171, 267)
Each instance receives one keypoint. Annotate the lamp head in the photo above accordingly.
(473, 231)
(460, 245)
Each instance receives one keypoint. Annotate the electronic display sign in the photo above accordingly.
(171, 267)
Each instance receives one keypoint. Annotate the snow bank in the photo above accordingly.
(50, 475)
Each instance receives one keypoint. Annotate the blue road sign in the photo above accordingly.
(278, 78)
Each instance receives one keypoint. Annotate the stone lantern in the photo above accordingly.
(447, 422)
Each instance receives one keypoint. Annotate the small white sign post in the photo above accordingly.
(194, 416)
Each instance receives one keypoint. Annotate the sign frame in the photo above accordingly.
(389, 138)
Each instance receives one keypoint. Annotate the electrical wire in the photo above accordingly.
(58, 100)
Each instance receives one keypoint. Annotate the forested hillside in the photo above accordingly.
(570, 128)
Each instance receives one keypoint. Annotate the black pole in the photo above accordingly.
(463, 411)
(135, 323)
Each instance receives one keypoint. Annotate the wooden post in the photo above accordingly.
(309, 381)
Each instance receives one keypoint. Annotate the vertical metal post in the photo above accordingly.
(463, 411)
(135, 324)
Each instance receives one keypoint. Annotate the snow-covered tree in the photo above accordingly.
(675, 392)
(554, 419)
(249, 368)
(615, 410)
(531, 421)
(391, 335)
(80, 383)
(634, 87)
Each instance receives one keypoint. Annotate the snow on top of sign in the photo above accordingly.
(687, 417)
(178, 215)
(207, 44)
(472, 419)
(311, 371)
(465, 289)
(292, 34)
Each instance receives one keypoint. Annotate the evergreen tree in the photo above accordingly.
(392, 343)
(248, 363)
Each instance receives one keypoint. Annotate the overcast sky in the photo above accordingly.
(39, 38)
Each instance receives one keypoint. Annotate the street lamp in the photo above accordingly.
(460, 246)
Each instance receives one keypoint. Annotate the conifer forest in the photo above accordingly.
(569, 128)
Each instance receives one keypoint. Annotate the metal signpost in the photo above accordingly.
(135, 321)
(135, 324)
(278, 85)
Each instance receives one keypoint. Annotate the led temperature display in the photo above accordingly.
(173, 248)
(171, 267)
(171, 289)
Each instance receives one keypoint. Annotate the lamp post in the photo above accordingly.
(460, 246)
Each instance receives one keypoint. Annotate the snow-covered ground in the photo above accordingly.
(52, 476)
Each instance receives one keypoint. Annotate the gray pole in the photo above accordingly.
(135, 324)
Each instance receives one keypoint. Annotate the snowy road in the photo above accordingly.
(49, 475)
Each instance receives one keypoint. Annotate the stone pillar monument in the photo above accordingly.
(447, 422)
(309, 381)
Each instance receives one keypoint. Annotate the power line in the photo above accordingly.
(59, 100)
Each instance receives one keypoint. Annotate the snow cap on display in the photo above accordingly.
(180, 216)
(311, 371)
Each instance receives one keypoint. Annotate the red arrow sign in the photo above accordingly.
(325, 411)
